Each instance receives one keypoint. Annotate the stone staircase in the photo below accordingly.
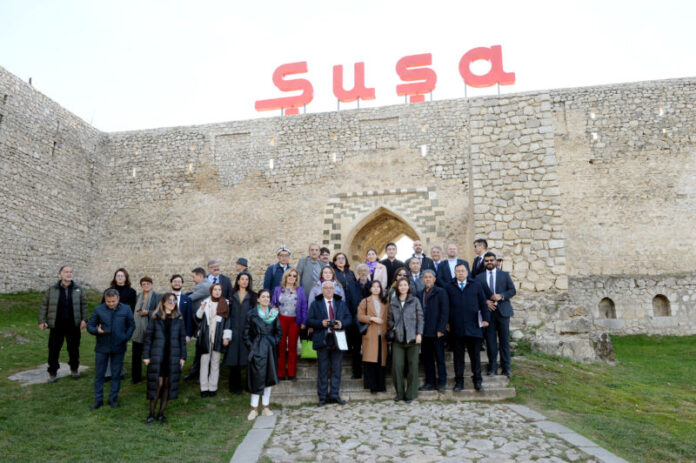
(304, 390)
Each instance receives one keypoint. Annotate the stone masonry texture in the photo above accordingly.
(588, 193)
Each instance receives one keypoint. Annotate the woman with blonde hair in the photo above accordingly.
(164, 353)
(290, 300)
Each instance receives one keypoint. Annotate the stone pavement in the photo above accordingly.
(40, 375)
(425, 432)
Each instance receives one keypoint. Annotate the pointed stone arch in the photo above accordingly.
(352, 221)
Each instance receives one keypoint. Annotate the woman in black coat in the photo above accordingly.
(164, 353)
(262, 335)
(243, 299)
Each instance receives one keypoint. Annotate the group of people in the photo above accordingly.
(385, 308)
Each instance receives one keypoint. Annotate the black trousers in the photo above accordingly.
(498, 339)
(433, 352)
(235, 379)
(196, 367)
(136, 362)
(354, 346)
(375, 373)
(63, 332)
(326, 357)
(473, 345)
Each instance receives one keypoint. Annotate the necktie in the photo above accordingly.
(491, 285)
(461, 286)
(331, 314)
(215, 280)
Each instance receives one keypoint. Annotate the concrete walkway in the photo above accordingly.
(40, 375)
(420, 432)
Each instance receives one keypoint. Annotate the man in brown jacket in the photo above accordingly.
(64, 311)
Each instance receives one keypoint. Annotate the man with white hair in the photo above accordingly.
(327, 315)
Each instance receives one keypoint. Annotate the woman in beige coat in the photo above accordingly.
(373, 310)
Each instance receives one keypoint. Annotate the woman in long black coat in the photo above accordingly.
(164, 353)
(243, 299)
(262, 335)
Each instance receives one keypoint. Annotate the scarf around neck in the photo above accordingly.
(372, 266)
(269, 317)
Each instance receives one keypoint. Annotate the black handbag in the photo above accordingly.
(363, 328)
(391, 335)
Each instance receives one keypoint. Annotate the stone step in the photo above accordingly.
(468, 394)
(348, 384)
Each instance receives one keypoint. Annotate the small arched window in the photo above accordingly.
(661, 306)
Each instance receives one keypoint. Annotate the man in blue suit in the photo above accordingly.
(445, 268)
(499, 289)
(113, 325)
(274, 273)
(185, 305)
(468, 316)
(326, 314)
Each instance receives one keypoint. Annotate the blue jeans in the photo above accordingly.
(101, 360)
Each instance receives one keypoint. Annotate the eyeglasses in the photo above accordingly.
(340, 258)
(171, 301)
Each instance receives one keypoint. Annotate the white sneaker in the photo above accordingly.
(267, 412)
(252, 414)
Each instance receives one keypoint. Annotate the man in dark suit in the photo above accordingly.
(274, 273)
(391, 262)
(214, 276)
(480, 248)
(325, 315)
(425, 261)
(499, 289)
(435, 305)
(415, 276)
(185, 305)
(467, 301)
(199, 293)
(445, 269)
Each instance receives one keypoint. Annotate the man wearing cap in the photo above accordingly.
(274, 273)
(242, 265)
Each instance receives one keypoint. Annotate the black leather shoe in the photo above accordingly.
(339, 401)
(282, 378)
(162, 419)
(442, 388)
(408, 401)
(292, 378)
(212, 393)
(427, 387)
(478, 386)
(97, 405)
(490, 373)
(113, 403)
(507, 373)
(459, 386)
(150, 419)
(321, 403)
(396, 399)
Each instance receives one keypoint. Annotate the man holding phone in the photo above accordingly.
(113, 325)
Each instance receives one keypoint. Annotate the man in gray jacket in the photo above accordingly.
(64, 311)
(199, 293)
(309, 269)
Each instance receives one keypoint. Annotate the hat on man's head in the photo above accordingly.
(243, 261)
(283, 248)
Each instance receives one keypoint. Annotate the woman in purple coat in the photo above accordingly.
(289, 298)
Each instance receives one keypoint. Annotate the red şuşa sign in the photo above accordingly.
(413, 70)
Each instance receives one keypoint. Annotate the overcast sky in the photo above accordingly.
(140, 64)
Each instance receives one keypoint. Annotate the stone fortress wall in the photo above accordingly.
(588, 193)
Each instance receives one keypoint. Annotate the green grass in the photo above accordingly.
(643, 409)
(54, 422)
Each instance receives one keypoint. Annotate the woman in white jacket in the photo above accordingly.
(214, 335)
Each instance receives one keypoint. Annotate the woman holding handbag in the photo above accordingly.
(261, 337)
(407, 322)
(164, 353)
(214, 336)
(374, 311)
